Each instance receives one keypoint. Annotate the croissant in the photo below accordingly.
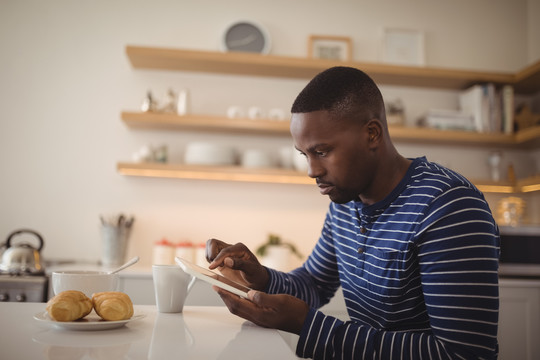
(69, 305)
(112, 305)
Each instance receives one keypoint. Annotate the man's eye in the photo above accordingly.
(321, 153)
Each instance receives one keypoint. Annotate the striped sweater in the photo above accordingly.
(418, 272)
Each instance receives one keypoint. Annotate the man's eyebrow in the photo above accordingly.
(315, 146)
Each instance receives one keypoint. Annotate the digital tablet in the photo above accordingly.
(213, 278)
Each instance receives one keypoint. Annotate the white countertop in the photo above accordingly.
(200, 332)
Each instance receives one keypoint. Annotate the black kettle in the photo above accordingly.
(23, 258)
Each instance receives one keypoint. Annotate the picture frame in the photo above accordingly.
(403, 47)
(330, 47)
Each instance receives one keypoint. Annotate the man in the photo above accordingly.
(412, 244)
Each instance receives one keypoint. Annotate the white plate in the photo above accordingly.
(91, 322)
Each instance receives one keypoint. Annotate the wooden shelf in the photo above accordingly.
(280, 176)
(523, 139)
(155, 120)
(530, 184)
(525, 81)
(221, 173)
(528, 138)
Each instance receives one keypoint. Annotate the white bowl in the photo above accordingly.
(88, 282)
(202, 153)
(254, 158)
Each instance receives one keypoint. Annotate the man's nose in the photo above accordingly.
(315, 169)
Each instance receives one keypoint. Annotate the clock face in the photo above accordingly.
(247, 37)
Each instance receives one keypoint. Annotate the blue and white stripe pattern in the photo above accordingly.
(418, 271)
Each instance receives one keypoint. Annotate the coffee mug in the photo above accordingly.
(171, 285)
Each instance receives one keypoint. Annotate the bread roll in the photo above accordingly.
(69, 305)
(112, 305)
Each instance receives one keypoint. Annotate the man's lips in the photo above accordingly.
(325, 188)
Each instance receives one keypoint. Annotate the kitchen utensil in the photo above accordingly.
(22, 258)
(129, 263)
(115, 239)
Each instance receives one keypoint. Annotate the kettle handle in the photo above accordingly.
(17, 232)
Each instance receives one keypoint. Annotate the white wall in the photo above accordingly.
(533, 30)
(64, 79)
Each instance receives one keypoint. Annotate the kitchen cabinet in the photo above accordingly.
(519, 319)
(526, 81)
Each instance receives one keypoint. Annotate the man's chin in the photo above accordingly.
(339, 198)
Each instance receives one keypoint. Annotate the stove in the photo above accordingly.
(22, 278)
(23, 288)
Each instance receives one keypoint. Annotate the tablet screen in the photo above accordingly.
(212, 277)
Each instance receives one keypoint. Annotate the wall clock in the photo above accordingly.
(246, 36)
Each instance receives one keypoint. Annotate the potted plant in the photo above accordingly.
(276, 253)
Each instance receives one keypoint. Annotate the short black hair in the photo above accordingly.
(342, 91)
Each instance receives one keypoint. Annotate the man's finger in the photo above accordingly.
(259, 298)
(237, 305)
(248, 266)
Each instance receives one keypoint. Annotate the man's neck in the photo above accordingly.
(389, 175)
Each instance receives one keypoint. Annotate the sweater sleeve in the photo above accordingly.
(317, 280)
(457, 252)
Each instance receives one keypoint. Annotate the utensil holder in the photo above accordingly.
(114, 245)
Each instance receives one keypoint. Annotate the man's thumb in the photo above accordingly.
(256, 297)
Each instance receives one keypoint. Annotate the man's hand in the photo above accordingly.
(237, 263)
(282, 312)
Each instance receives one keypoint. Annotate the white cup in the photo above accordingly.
(171, 285)
(235, 112)
(255, 112)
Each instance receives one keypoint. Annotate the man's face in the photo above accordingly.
(337, 153)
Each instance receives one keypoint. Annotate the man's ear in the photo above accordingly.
(375, 132)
